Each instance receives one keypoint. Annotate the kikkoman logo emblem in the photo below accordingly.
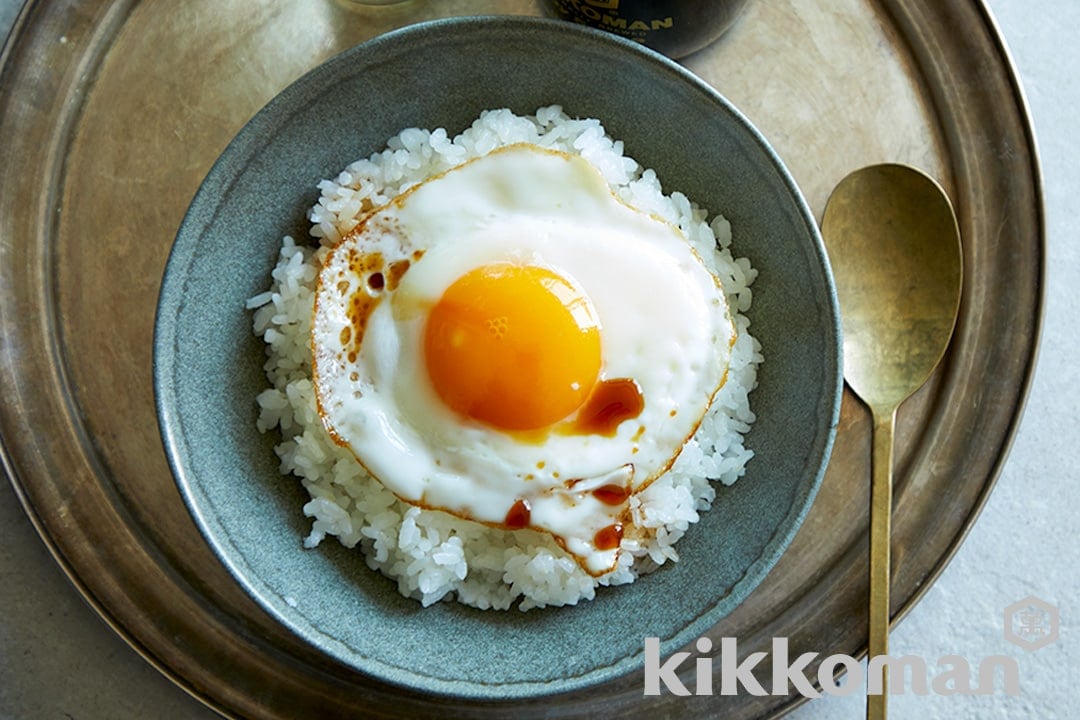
(1031, 624)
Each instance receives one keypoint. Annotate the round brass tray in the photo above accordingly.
(112, 112)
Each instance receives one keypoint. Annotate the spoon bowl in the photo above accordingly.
(894, 245)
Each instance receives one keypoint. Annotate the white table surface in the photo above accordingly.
(59, 660)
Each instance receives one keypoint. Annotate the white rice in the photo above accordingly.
(430, 554)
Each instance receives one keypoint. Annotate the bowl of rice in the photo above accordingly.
(422, 597)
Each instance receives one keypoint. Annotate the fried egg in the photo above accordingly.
(512, 344)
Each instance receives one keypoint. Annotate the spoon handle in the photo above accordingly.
(881, 476)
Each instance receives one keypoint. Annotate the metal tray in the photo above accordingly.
(112, 112)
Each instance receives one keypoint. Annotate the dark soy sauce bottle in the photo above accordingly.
(673, 27)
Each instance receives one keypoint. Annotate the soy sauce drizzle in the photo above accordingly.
(610, 403)
(517, 517)
(608, 538)
(611, 494)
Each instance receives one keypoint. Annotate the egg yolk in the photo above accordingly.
(516, 347)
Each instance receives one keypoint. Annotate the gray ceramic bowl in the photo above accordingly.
(208, 366)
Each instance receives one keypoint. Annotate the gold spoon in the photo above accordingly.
(894, 246)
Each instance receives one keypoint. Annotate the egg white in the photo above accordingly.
(664, 323)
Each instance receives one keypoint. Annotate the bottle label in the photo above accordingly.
(608, 15)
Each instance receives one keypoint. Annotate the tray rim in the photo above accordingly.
(1039, 310)
(118, 10)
